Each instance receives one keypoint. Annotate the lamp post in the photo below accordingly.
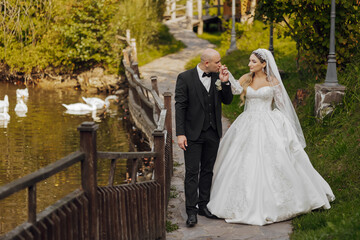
(330, 93)
(271, 46)
(331, 76)
(233, 33)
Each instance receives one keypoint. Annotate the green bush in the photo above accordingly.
(68, 35)
(308, 23)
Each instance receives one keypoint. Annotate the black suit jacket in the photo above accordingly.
(189, 105)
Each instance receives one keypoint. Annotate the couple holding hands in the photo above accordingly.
(259, 173)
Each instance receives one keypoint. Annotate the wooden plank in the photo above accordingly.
(85, 202)
(142, 208)
(69, 222)
(63, 225)
(57, 227)
(28, 235)
(154, 211)
(109, 229)
(50, 226)
(32, 204)
(158, 209)
(145, 210)
(112, 171)
(122, 209)
(161, 122)
(134, 211)
(102, 213)
(80, 212)
(125, 155)
(40, 174)
(134, 170)
(116, 211)
(129, 212)
(43, 230)
(151, 205)
(75, 220)
(113, 212)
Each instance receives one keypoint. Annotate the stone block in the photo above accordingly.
(327, 98)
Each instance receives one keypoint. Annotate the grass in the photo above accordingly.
(170, 227)
(333, 145)
(164, 45)
(173, 192)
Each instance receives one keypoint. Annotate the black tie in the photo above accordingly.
(206, 74)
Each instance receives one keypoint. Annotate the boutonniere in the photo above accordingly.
(218, 85)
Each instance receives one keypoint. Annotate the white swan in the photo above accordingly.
(100, 104)
(80, 107)
(4, 116)
(22, 93)
(4, 103)
(21, 106)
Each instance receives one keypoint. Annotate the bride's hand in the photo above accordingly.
(224, 73)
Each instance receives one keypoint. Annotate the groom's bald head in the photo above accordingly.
(210, 60)
(208, 54)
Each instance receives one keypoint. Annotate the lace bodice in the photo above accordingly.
(259, 100)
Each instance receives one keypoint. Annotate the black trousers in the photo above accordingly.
(200, 156)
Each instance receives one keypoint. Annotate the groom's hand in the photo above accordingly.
(182, 142)
(224, 73)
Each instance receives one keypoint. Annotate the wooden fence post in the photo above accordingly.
(154, 85)
(168, 125)
(128, 36)
(160, 176)
(173, 10)
(88, 174)
(189, 14)
(200, 18)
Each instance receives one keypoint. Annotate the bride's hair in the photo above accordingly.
(249, 78)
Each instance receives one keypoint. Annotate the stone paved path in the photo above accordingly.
(167, 68)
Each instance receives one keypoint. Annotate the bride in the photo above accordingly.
(262, 174)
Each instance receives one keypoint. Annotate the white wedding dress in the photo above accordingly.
(262, 173)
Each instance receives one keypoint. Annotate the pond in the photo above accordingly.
(45, 134)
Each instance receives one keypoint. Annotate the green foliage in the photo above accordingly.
(68, 35)
(308, 23)
(170, 227)
(163, 44)
(86, 32)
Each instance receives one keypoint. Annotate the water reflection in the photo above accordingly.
(45, 134)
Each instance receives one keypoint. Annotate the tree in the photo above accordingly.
(308, 23)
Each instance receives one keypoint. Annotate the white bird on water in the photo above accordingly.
(22, 93)
(80, 107)
(4, 103)
(4, 116)
(99, 103)
(21, 106)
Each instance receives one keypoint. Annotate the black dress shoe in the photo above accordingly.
(205, 212)
(192, 220)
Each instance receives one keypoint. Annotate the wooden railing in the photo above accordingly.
(129, 211)
(175, 11)
(150, 113)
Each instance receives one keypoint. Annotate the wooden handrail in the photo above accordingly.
(41, 174)
(127, 155)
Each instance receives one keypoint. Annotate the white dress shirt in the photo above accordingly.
(206, 81)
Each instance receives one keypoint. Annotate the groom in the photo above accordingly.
(199, 93)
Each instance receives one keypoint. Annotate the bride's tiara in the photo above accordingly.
(261, 53)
